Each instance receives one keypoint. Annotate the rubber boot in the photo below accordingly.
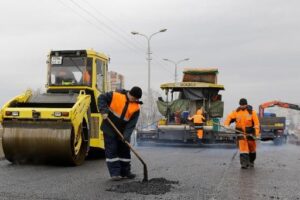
(129, 176)
(252, 157)
(244, 160)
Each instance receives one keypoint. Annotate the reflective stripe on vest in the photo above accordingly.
(118, 104)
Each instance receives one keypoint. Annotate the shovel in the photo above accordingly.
(131, 148)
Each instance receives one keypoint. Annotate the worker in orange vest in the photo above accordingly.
(246, 120)
(86, 77)
(123, 109)
(198, 120)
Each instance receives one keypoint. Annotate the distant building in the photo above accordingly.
(115, 80)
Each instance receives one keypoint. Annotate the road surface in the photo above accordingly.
(203, 173)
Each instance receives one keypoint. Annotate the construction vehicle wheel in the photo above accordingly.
(78, 147)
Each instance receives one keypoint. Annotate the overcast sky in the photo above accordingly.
(254, 43)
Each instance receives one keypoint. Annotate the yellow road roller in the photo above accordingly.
(62, 124)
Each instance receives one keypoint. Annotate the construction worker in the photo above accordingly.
(246, 120)
(123, 109)
(86, 77)
(198, 120)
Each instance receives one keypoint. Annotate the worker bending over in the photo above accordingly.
(246, 120)
(198, 120)
(123, 109)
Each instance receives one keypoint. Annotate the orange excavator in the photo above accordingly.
(271, 126)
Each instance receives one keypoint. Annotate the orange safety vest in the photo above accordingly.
(86, 77)
(117, 106)
(198, 117)
(243, 119)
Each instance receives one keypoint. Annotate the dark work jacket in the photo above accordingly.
(125, 127)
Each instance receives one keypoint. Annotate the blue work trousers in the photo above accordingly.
(117, 155)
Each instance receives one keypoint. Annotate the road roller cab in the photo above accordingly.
(63, 123)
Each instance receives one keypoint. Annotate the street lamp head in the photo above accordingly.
(163, 30)
(134, 33)
(165, 59)
(186, 59)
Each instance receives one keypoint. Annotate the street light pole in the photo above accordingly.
(149, 64)
(148, 52)
(176, 64)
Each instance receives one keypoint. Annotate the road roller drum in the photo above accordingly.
(42, 141)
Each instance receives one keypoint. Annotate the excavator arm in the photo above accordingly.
(276, 103)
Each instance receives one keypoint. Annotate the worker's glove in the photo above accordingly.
(251, 137)
(241, 136)
(104, 116)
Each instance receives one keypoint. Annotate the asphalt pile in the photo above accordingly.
(155, 186)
